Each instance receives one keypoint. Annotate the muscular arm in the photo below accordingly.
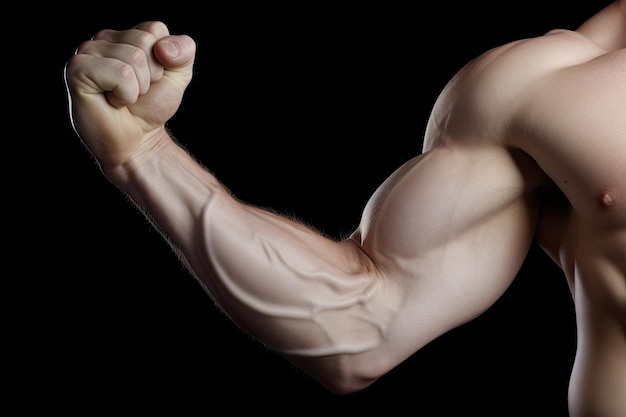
(297, 291)
(439, 242)
(300, 293)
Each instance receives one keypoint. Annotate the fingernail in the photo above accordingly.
(171, 49)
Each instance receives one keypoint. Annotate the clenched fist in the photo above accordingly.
(123, 86)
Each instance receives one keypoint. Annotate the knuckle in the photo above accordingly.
(103, 34)
(144, 40)
(137, 56)
(86, 47)
(155, 27)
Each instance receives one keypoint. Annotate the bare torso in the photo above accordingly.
(561, 99)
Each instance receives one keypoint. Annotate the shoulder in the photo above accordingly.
(532, 57)
(490, 92)
(505, 77)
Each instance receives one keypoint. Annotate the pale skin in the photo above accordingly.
(528, 141)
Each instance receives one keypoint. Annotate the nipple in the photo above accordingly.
(607, 200)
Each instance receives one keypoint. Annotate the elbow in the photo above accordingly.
(343, 374)
(346, 385)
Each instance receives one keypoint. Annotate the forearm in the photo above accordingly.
(286, 284)
(170, 187)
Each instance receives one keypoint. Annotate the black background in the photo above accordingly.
(303, 108)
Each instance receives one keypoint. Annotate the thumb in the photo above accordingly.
(177, 55)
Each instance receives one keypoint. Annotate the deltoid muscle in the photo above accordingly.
(282, 292)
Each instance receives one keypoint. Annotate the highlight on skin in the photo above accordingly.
(332, 312)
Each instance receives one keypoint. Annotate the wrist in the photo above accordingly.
(147, 153)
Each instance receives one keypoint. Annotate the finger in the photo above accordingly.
(157, 28)
(130, 55)
(176, 52)
(143, 36)
(89, 75)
